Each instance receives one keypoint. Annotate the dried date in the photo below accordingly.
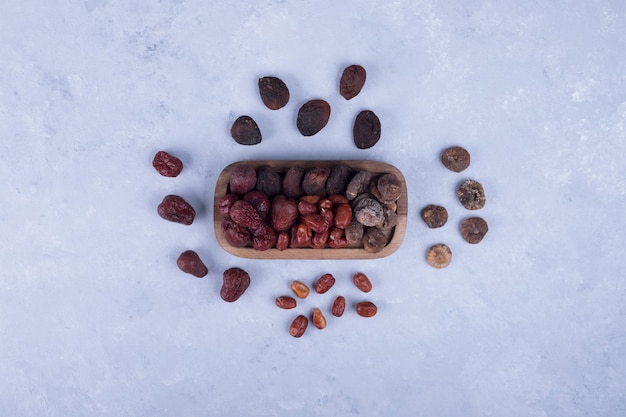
(263, 237)
(175, 209)
(283, 212)
(298, 326)
(343, 216)
(366, 309)
(362, 282)
(237, 236)
(190, 262)
(166, 164)
(300, 289)
(226, 203)
(285, 302)
(244, 214)
(339, 306)
(318, 319)
(235, 282)
(324, 283)
(259, 201)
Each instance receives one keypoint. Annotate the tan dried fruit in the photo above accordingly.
(318, 319)
(390, 217)
(439, 256)
(339, 306)
(474, 229)
(434, 216)
(324, 283)
(366, 309)
(298, 326)
(274, 92)
(456, 158)
(286, 302)
(300, 289)
(471, 194)
(362, 282)
(354, 232)
(245, 131)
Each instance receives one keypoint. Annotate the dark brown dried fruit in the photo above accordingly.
(226, 203)
(324, 283)
(374, 240)
(283, 212)
(368, 211)
(390, 217)
(313, 117)
(286, 302)
(338, 179)
(456, 158)
(439, 256)
(318, 318)
(299, 288)
(298, 326)
(352, 81)
(314, 181)
(235, 282)
(263, 237)
(366, 309)
(175, 209)
(166, 164)
(259, 201)
(237, 236)
(434, 216)
(359, 184)
(274, 92)
(389, 188)
(242, 178)
(190, 262)
(244, 214)
(268, 181)
(471, 194)
(339, 306)
(245, 131)
(366, 130)
(362, 282)
(474, 229)
(354, 232)
(292, 181)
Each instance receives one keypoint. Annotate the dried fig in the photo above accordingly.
(474, 229)
(471, 194)
(354, 232)
(389, 188)
(439, 256)
(434, 216)
(359, 183)
(369, 212)
(374, 240)
(456, 158)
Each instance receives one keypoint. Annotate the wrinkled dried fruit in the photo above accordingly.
(434, 216)
(338, 179)
(245, 131)
(389, 188)
(337, 199)
(259, 201)
(190, 262)
(305, 207)
(312, 117)
(366, 309)
(283, 212)
(343, 216)
(366, 130)
(324, 283)
(390, 217)
(242, 178)
(439, 256)
(338, 307)
(318, 318)
(314, 181)
(235, 282)
(263, 237)
(359, 184)
(286, 302)
(166, 164)
(301, 236)
(234, 234)
(274, 92)
(226, 203)
(456, 158)
(245, 215)
(292, 181)
(368, 211)
(354, 232)
(362, 282)
(474, 229)
(175, 209)
(337, 238)
(316, 222)
(268, 181)
(374, 240)
(298, 326)
(299, 288)
(352, 81)
(319, 239)
(282, 241)
(471, 194)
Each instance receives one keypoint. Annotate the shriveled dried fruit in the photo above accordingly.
(439, 256)
(298, 326)
(434, 216)
(268, 181)
(474, 229)
(242, 178)
(366, 309)
(314, 181)
(337, 238)
(359, 184)
(324, 283)
(244, 214)
(301, 236)
(471, 194)
(315, 222)
(292, 181)
(339, 306)
(337, 199)
(226, 203)
(166, 164)
(319, 239)
(374, 240)
(338, 179)
(234, 234)
(259, 201)
(299, 288)
(190, 262)
(390, 217)
(235, 282)
(352, 81)
(245, 131)
(368, 212)
(343, 215)
(305, 207)
(283, 212)
(366, 130)
(286, 302)
(354, 232)
(263, 237)
(282, 241)
(313, 117)
(318, 318)
(389, 188)
(175, 209)
(456, 158)
(362, 282)
(274, 92)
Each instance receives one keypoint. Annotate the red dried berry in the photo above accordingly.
(166, 164)
(175, 209)
(190, 262)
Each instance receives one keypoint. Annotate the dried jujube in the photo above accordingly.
(274, 92)
(189, 261)
(352, 80)
(434, 216)
(439, 256)
(226, 203)
(474, 229)
(175, 209)
(242, 178)
(471, 194)
(455, 158)
(166, 164)
(313, 117)
(237, 236)
(245, 131)
(235, 282)
(259, 201)
(283, 212)
(263, 237)
(366, 130)
(244, 214)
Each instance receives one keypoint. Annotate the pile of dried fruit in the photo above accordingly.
(318, 207)
(470, 194)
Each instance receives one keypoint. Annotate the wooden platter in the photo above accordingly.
(351, 252)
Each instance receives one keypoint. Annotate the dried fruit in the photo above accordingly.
(374, 240)
(314, 181)
(390, 217)
(434, 216)
(245, 131)
(268, 181)
(366, 130)
(319, 239)
(352, 81)
(298, 326)
(299, 288)
(301, 236)
(471, 195)
(315, 222)
(274, 92)
(292, 181)
(259, 201)
(366, 309)
(242, 178)
(324, 283)
(226, 203)
(389, 188)
(337, 238)
(318, 318)
(368, 211)
(244, 214)
(175, 209)
(282, 241)
(474, 229)
(235, 282)
(166, 164)
(286, 302)
(338, 307)
(305, 207)
(190, 262)
(359, 184)
(439, 256)
(283, 212)
(237, 236)
(362, 282)
(343, 215)
(456, 158)
(313, 117)
(354, 232)
(263, 237)
(338, 179)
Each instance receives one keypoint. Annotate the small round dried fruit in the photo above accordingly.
(175, 209)
(318, 318)
(259, 201)
(313, 117)
(366, 130)
(471, 194)
(292, 181)
(362, 282)
(268, 181)
(474, 229)
(190, 262)
(358, 184)
(274, 92)
(374, 240)
(286, 302)
(314, 181)
(338, 179)
(299, 288)
(245, 131)
(339, 306)
(389, 188)
(352, 81)
(434, 216)
(368, 211)
(298, 326)
(166, 164)
(354, 232)
(324, 283)
(245, 215)
(366, 309)
(242, 178)
(439, 256)
(456, 158)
